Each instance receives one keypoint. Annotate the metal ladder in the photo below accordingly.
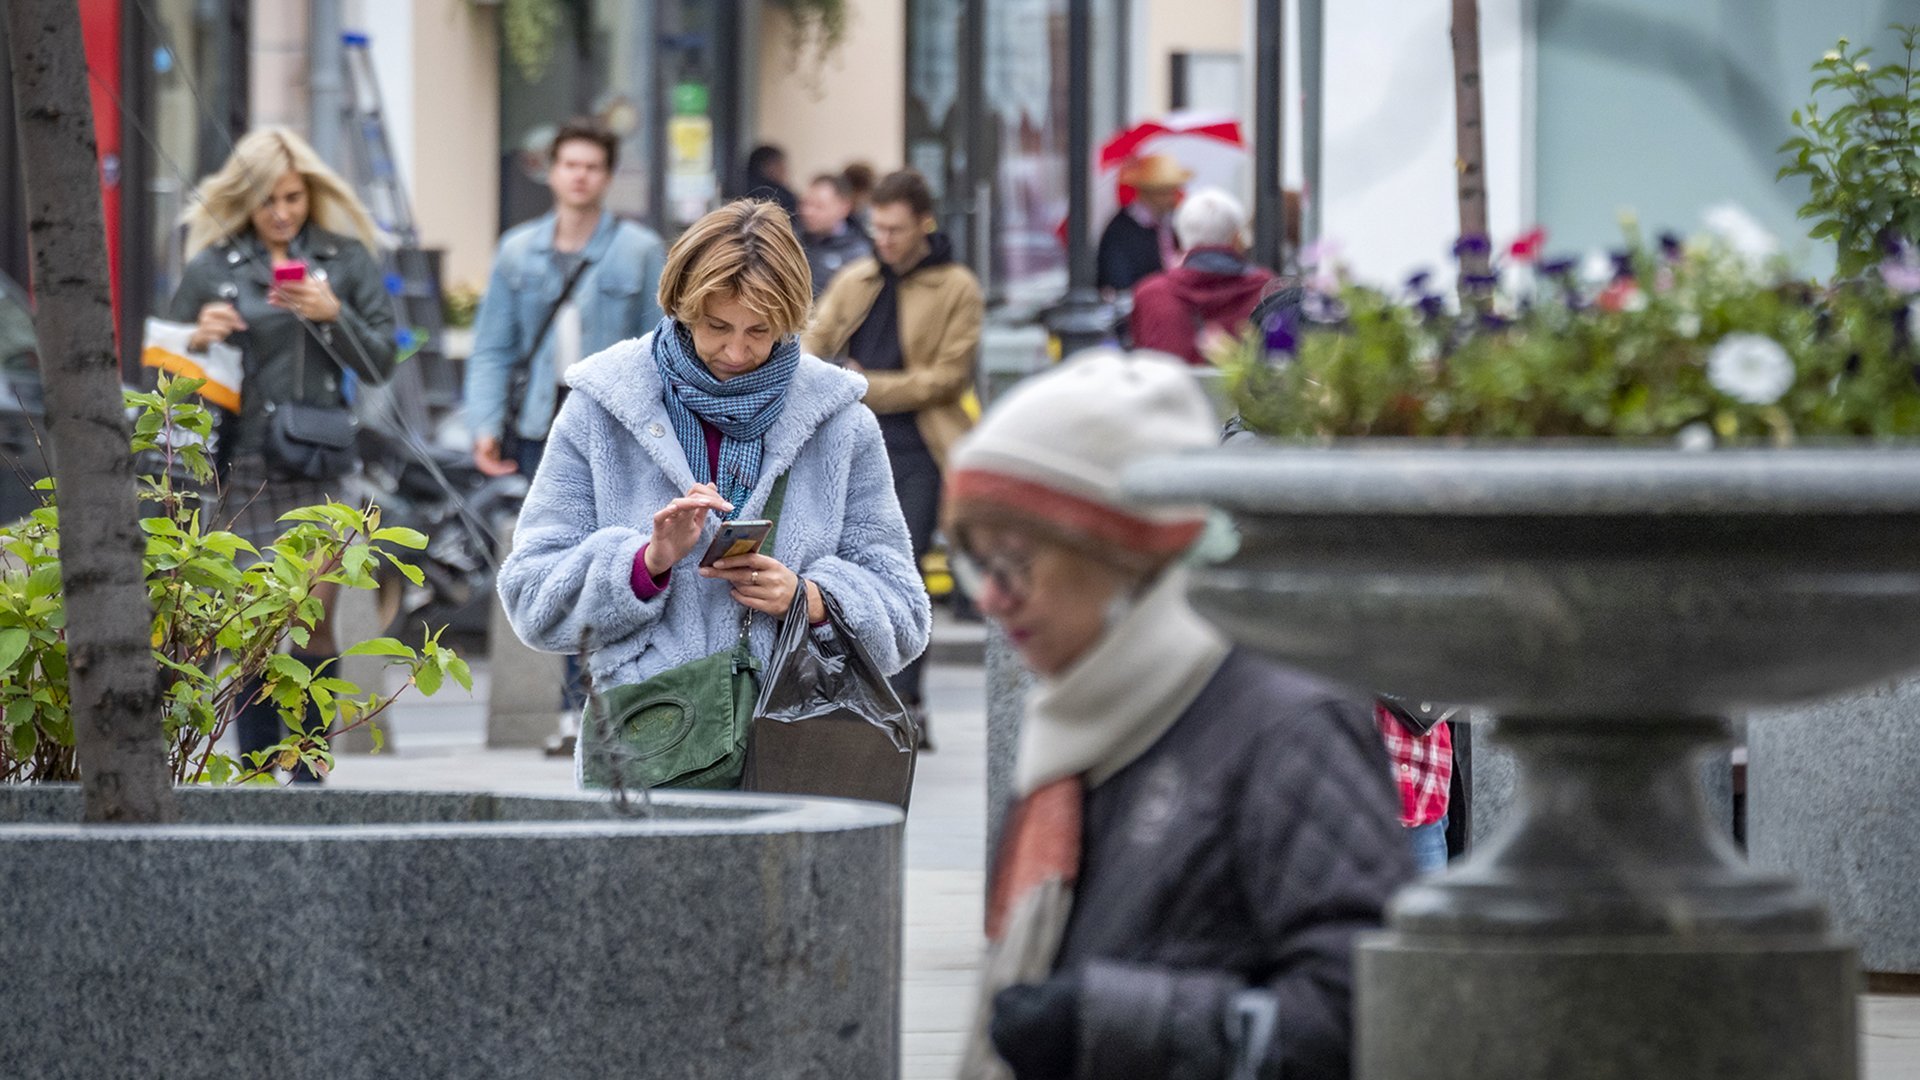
(412, 275)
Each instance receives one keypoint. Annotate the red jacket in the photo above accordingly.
(1213, 287)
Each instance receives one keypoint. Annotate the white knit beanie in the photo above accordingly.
(1051, 453)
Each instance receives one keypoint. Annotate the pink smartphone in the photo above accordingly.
(295, 270)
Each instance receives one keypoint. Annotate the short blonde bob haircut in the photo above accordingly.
(224, 203)
(746, 249)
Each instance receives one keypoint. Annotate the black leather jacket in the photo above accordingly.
(285, 361)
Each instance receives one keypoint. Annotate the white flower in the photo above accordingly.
(1696, 436)
(1831, 56)
(1742, 233)
(1688, 324)
(1750, 368)
(1863, 67)
(1596, 268)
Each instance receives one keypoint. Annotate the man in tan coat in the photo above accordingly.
(908, 319)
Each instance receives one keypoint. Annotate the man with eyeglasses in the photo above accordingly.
(908, 318)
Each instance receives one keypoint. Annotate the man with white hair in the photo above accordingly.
(1213, 290)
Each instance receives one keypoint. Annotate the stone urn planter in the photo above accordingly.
(1610, 607)
(308, 934)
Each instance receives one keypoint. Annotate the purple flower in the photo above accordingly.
(1670, 245)
(1495, 323)
(1432, 306)
(1471, 244)
(1900, 276)
(1280, 335)
(1418, 282)
(1559, 268)
(1622, 264)
(1480, 281)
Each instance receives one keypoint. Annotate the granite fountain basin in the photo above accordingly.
(314, 933)
(1611, 607)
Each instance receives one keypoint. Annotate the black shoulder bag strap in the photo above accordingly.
(522, 373)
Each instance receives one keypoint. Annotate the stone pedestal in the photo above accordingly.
(1605, 604)
(1490, 787)
(523, 707)
(1831, 799)
(314, 935)
(356, 617)
(1612, 912)
(1007, 685)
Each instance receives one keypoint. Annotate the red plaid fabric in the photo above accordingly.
(1423, 766)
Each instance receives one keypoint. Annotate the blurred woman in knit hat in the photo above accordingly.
(1199, 832)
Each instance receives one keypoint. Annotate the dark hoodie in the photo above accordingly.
(877, 340)
(1214, 287)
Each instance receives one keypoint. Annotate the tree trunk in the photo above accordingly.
(1470, 136)
(113, 681)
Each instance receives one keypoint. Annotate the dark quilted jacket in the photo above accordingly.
(1246, 848)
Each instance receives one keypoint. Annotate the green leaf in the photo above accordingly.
(20, 711)
(13, 644)
(457, 668)
(407, 570)
(381, 646)
(24, 739)
(428, 679)
(409, 538)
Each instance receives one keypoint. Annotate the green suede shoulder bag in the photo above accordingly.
(686, 727)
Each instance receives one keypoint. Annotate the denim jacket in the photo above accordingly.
(618, 298)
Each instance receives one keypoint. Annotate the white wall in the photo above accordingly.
(1389, 174)
(389, 23)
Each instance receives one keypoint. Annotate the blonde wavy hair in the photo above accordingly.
(745, 249)
(224, 203)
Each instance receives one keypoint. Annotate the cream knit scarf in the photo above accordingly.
(1118, 699)
(1079, 730)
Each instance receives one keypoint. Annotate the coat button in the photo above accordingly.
(656, 429)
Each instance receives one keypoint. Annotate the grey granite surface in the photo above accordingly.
(1832, 799)
(300, 934)
(523, 707)
(1614, 1009)
(1007, 686)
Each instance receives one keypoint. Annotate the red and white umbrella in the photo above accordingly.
(1209, 145)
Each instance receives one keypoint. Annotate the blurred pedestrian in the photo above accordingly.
(715, 415)
(909, 319)
(1212, 291)
(829, 237)
(1420, 745)
(564, 286)
(280, 265)
(860, 179)
(1140, 240)
(767, 179)
(1199, 832)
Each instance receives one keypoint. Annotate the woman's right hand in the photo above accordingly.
(677, 527)
(217, 322)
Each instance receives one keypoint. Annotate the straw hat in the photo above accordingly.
(1154, 172)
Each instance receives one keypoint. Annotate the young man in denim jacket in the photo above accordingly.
(615, 298)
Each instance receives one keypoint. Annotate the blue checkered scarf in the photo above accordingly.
(742, 408)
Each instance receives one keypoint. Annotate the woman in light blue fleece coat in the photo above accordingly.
(663, 437)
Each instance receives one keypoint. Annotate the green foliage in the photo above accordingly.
(821, 23)
(1861, 158)
(1632, 360)
(530, 27)
(221, 612)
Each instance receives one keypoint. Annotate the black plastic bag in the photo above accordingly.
(828, 722)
